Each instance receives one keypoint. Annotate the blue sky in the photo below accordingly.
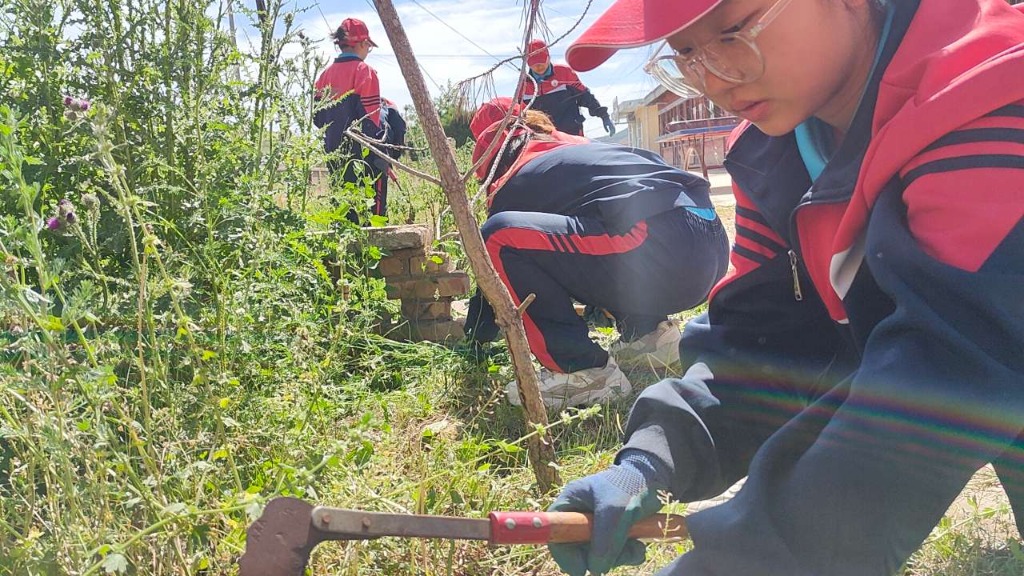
(457, 39)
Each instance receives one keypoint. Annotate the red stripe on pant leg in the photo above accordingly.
(605, 244)
(530, 240)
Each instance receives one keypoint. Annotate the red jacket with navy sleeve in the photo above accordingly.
(354, 86)
(560, 95)
(866, 355)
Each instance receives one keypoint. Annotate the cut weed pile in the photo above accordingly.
(186, 333)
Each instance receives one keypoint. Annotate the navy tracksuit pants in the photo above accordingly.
(662, 265)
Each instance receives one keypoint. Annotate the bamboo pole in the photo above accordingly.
(542, 454)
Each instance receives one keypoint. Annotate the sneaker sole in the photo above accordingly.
(589, 397)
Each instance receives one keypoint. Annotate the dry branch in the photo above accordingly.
(372, 145)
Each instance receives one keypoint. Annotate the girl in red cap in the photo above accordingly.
(866, 355)
(558, 92)
(353, 83)
(608, 226)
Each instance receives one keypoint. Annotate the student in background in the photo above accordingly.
(558, 92)
(353, 85)
(608, 226)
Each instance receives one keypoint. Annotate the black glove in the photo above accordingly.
(609, 126)
(380, 163)
(598, 317)
(480, 325)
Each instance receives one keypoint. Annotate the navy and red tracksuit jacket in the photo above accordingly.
(560, 94)
(576, 177)
(866, 355)
(355, 83)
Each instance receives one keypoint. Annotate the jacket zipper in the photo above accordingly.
(798, 294)
(794, 235)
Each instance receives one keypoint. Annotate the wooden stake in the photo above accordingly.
(542, 454)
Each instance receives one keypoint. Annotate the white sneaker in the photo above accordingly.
(657, 349)
(591, 386)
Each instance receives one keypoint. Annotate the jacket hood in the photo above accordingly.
(942, 76)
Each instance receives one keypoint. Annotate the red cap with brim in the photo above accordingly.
(491, 112)
(537, 53)
(356, 31)
(484, 141)
(631, 24)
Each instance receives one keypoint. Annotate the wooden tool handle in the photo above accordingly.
(562, 527)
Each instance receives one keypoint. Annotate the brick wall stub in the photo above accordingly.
(406, 236)
(427, 309)
(427, 287)
(449, 331)
(426, 281)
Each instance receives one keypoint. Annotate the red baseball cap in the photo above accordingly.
(491, 112)
(484, 141)
(633, 23)
(356, 31)
(537, 53)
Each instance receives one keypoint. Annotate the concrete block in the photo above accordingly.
(400, 237)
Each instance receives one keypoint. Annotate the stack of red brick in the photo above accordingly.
(424, 280)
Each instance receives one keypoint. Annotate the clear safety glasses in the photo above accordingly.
(733, 57)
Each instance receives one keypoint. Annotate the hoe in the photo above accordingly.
(280, 541)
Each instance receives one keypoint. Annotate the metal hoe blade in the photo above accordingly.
(280, 541)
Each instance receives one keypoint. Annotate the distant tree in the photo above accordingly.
(454, 120)
(454, 117)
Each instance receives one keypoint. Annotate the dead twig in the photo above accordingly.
(371, 144)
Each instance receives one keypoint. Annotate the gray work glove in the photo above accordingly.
(618, 497)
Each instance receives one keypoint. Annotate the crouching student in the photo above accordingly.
(866, 356)
(607, 226)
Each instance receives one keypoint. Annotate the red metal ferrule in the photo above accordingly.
(520, 528)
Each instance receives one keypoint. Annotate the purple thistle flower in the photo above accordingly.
(76, 104)
(66, 211)
(53, 223)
